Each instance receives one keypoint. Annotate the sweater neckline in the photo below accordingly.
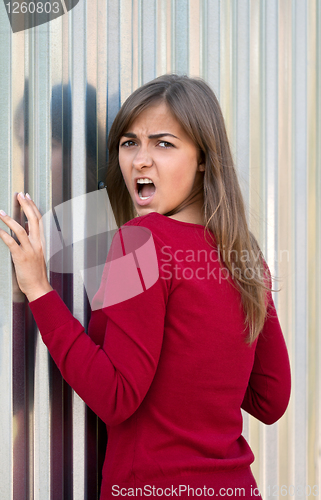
(191, 224)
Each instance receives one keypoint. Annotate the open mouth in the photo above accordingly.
(145, 188)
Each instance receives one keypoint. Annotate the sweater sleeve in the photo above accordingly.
(113, 378)
(268, 392)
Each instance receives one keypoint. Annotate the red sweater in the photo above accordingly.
(168, 369)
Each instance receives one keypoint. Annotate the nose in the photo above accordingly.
(142, 158)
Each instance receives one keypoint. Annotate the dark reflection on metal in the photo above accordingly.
(61, 412)
(24, 327)
(20, 402)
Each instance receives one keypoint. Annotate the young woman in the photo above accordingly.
(169, 366)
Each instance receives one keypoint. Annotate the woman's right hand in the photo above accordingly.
(17, 294)
(28, 256)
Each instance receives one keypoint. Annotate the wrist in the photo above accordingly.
(39, 292)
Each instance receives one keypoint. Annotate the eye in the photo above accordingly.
(165, 145)
(128, 143)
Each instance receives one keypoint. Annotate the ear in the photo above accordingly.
(201, 162)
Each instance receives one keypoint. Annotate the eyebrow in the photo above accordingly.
(130, 135)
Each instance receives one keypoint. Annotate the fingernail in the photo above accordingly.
(2, 212)
(28, 196)
(22, 195)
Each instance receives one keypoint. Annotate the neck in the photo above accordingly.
(193, 213)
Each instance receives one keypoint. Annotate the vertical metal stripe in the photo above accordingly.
(317, 449)
(101, 88)
(136, 24)
(161, 37)
(169, 37)
(181, 35)
(254, 181)
(36, 194)
(212, 62)
(126, 34)
(194, 38)
(6, 404)
(56, 50)
(299, 40)
(242, 125)
(233, 81)
(271, 130)
(92, 42)
(79, 472)
(17, 82)
(60, 453)
(255, 117)
(311, 238)
(41, 423)
(66, 53)
(285, 251)
(226, 55)
(113, 56)
(148, 40)
(42, 149)
(202, 28)
(242, 104)
(78, 91)
(270, 463)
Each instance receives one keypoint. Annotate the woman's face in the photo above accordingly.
(156, 147)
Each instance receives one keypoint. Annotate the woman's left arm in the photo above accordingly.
(268, 391)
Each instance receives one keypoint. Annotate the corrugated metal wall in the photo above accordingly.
(61, 85)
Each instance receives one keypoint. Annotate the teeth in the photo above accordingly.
(143, 197)
(144, 181)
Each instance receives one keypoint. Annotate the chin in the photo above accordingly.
(145, 210)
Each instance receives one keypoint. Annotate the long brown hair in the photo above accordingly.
(196, 108)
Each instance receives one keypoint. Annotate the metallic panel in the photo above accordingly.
(62, 84)
(299, 200)
(8, 421)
